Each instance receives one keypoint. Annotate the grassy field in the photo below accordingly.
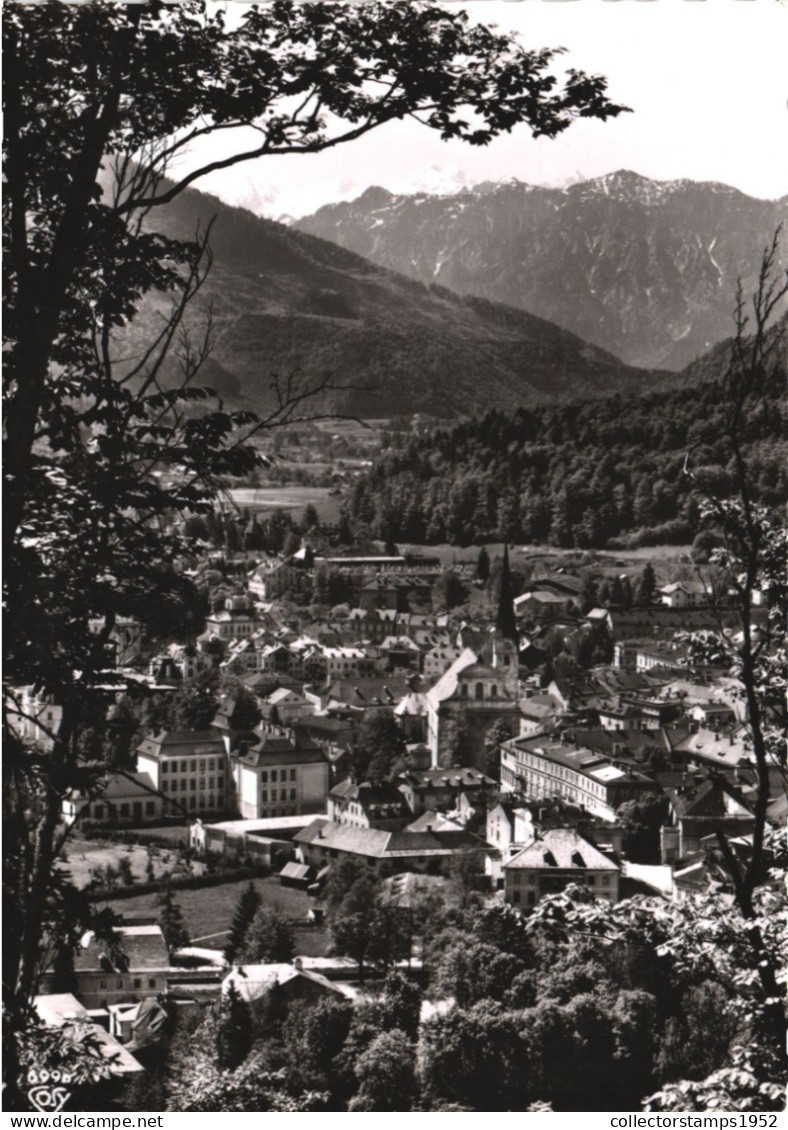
(209, 910)
(85, 857)
(265, 500)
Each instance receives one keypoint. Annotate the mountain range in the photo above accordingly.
(644, 269)
(287, 303)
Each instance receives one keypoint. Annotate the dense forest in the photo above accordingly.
(576, 474)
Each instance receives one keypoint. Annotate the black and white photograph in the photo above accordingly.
(394, 541)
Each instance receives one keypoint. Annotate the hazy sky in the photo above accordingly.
(707, 80)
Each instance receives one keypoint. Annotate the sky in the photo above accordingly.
(707, 81)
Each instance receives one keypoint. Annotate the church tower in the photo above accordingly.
(503, 651)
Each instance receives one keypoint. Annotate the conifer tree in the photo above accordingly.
(245, 910)
(171, 920)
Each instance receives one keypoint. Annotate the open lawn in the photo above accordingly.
(85, 858)
(265, 500)
(209, 911)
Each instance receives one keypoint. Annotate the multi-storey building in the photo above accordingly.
(543, 768)
(189, 766)
(285, 773)
(551, 861)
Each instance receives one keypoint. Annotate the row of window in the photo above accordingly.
(193, 785)
(275, 794)
(100, 811)
(191, 765)
(136, 983)
(276, 774)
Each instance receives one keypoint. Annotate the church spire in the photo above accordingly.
(505, 622)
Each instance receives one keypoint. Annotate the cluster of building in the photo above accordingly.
(646, 725)
(542, 806)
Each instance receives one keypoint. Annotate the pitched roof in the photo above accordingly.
(142, 946)
(560, 849)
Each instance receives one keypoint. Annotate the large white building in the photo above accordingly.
(542, 768)
(285, 773)
(190, 767)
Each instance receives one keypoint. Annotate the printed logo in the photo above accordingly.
(47, 1093)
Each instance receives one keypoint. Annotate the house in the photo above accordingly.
(686, 594)
(367, 806)
(286, 706)
(699, 808)
(635, 713)
(134, 968)
(35, 717)
(57, 1010)
(235, 621)
(189, 766)
(411, 713)
(508, 825)
(283, 773)
(121, 799)
(440, 789)
(281, 982)
(542, 607)
(551, 861)
(324, 841)
(438, 659)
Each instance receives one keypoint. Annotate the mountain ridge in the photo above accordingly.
(644, 269)
(289, 303)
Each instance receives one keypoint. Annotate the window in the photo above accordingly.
(102, 984)
(273, 774)
(211, 783)
(292, 794)
(165, 786)
(220, 784)
(98, 811)
(493, 691)
(292, 774)
(119, 983)
(124, 810)
(165, 766)
(264, 776)
(273, 794)
(192, 802)
(151, 982)
(193, 765)
(184, 767)
(480, 690)
(150, 808)
(137, 982)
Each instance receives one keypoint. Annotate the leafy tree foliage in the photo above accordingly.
(269, 938)
(360, 923)
(582, 473)
(380, 748)
(386, 1074)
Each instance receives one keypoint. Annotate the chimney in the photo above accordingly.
(298, 963)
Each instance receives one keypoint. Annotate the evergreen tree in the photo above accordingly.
(233, 1030)
(483, 565)
(245, 909)
(647, 585)
(171, 920)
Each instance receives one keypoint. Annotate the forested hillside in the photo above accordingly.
(574, 474)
